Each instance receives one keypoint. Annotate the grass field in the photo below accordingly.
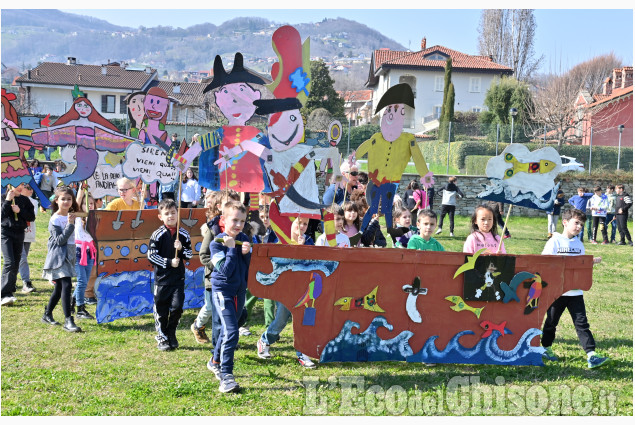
(115, 368)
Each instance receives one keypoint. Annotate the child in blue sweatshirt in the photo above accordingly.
(579, 202)
(231, 253)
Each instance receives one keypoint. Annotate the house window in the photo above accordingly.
(108, 104)
(476, 109)
(438, 82)
(436, 57)
(123, 106)
(437, 111)
(475, 84)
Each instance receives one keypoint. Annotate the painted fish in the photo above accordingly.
(490, 327)
(459, 305)
(541, 167)
(368, 302)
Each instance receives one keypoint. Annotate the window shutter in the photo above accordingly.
(104, 103)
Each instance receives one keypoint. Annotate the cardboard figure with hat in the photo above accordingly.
(237, 162)
(291, 170)
(389, 152)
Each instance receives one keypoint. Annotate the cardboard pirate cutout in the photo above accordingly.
(414, 306)
(389, 152)
(86, 132)
(237, 162)
(291, 171)
(520, 177)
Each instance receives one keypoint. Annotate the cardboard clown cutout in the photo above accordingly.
(291, 170)
(238, 162)
(389, 152)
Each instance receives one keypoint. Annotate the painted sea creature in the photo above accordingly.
(535, 286)
(471, 261)
(509, 291)
(281, 265)
(541, 167)
(490, 327)
(459, 305)
(313, 291)
(367, 302)
(411, 302)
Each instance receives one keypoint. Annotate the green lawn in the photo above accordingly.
(115, 368)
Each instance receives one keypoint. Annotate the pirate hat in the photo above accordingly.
(271, 106)
(401, 93)
(238, 74)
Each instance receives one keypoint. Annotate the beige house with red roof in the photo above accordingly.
(358, 106)
(46, 89)
(424, 71)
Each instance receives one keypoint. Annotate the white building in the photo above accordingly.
(424, 71)
(46, 89)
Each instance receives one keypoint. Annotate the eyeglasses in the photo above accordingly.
(353, 173)
(124, 190)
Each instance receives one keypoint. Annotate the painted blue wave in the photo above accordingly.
(499, 191)
(367, 346)
(129, 294)
(486, 351)
(281, 265)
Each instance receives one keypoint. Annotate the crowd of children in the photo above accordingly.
(226, 249)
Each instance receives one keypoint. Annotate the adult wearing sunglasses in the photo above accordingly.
(339, 192)
(127, 193)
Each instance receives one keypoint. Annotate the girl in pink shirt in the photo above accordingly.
(484, 232)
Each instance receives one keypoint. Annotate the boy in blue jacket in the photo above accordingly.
(579, 202)
(231, 253)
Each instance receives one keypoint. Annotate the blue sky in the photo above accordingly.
(561, 35)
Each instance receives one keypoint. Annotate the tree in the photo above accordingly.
(592, 73)
(447, 107)
(323, 94)
(504, 94)
(507, 36)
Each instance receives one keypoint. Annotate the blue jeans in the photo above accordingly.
(83, 275)
(208, 311)
(609, 219)
(23, 269)
(272, 334)
(375, 194)
(227, 308)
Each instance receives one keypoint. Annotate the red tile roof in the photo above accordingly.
(418, 60)
(602, 98)
(356, 96)
(190, 93)
(87, 76)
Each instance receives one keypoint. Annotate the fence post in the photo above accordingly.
(545, 135)
(449, 138)
(498, 133)
(590, 149)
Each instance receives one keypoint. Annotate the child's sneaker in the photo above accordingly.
(451, 234)
(214, 368)
(244, 331)
(263, 350)
(199, 333)
(305, 361)
(164, 345)
(228, 384)
(605, 242)
(596, 361)
(593, 242)
(439, 230)
(549, 355)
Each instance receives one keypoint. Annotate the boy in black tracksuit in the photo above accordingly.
(623, 203)
(169, 274)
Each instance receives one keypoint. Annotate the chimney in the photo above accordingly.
(148, 70)
(104, 71)
(176, 88)
(627, 76)
(79, 77)
(28, 74)
(423, 43)
(617, 78)
(607, 87)
(37, 72)
(71, 60)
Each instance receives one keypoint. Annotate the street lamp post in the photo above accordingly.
(513, 112)
(619, 144)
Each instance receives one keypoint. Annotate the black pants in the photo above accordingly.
(12, 245)
(577, 310)
(168, 308)
(501, 222)
(597, 221)
(621, 226)
(447, 209)
(186, 204)
(63, 288)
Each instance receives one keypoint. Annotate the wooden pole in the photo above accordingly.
(504, 227)
(178, 214)
(142, 196)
